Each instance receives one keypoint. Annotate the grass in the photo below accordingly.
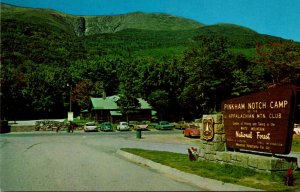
(223, 172)
(296, 143)
(78, 121)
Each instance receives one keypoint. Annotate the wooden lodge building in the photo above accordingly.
(106, 109)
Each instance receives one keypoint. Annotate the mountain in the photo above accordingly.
(137, 20)
(49, 19)
(238, 36)
(138, 33)
(90, 25)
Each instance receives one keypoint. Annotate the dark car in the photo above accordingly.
(106, 126)
(191, 131)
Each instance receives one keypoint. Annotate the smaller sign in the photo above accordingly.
(208, 128)
(70, 116)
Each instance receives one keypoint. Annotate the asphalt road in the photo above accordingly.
(80, 162)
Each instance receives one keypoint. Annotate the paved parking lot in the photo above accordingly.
(81, 161)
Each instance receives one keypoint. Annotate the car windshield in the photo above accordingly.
(193, 127)
(124, 123)
(90, 124)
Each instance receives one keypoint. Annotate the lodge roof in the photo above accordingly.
(110, 103)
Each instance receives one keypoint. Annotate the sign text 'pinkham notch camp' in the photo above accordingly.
(261, 121)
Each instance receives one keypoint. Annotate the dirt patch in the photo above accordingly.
(22, 128)
(256, 181)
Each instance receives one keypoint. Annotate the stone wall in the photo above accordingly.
(215, 150)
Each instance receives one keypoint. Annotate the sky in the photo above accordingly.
(279, 18)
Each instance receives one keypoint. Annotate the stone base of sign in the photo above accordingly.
(252, 161)
(215, 150)
(218, 141)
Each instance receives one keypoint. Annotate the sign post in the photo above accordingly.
(261, 121)
(70, 116)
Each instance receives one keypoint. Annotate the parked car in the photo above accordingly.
(140, 126)
(90, 126)
(191, 131)
(164, 125)
(123, 126)
(180, 125)
(106, 126)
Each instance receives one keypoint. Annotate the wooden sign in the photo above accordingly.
(261, 121)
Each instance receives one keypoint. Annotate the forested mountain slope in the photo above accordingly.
(176, 64)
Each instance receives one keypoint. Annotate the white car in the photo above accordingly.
(91, 126)
(123, 126)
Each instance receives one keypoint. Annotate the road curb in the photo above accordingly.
(209, 184)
